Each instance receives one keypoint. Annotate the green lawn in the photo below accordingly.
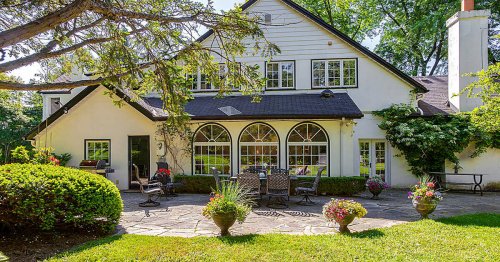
(462, 238)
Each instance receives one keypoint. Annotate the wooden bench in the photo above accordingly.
(440, 178)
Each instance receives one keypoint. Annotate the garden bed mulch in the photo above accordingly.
(30, 245)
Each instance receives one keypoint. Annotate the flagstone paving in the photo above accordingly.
(181, 216)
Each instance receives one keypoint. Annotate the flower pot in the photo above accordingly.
(424, 207)
(375, 192)
(224, 221)
(344, 223)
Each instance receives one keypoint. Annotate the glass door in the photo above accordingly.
(372, 158)
(138, 147)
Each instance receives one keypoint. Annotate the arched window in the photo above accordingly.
(307, 149)
(259, 145)
(212, 148)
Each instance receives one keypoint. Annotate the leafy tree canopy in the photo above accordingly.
(413, 34)
(144, 45)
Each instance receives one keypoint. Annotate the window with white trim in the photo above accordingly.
(280, 75)
(334, 73)
(259, 145)
(98, 149)
(201, 81)
(212, 148)
(307, 149)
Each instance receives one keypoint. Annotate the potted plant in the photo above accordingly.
(343, 212)
(229, 204)
(424, 196)
(376, 185)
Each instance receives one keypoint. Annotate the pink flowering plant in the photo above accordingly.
(376, 183)
(338, 209)
(425, 190)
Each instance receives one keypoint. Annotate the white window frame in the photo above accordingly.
(327, 70)
(280, 74)
(257, 144)
(87, 155)
(197, 84)
(308, 143)
(373, 158)
(212, 143)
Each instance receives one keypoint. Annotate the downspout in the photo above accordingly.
(341, 147)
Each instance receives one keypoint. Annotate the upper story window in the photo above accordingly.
(201, 81)
(280, 74)
(335, 73)
(55, 104)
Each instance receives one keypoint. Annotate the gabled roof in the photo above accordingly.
(435, 101)
(418, 86)
(292, 106)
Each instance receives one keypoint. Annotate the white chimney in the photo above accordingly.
(467, 52)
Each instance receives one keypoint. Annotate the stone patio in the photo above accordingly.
(181, 216)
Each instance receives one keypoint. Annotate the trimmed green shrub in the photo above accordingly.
(51, 197)
(343, 186)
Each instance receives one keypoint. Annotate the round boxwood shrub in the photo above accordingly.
(52, 197)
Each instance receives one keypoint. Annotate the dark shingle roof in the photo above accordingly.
(436, 100)
(270, 107)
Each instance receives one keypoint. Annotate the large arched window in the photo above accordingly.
(307, 149)
(212, 148)
(259, 145)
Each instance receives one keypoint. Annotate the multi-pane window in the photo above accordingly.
(202, 82)
(334, 73)
(372, 158)
(280, 74)
(259, 145)
(307, 149)
(98, 150)
(212, 148)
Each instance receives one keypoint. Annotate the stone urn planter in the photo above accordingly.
(425, 207)
(224, 221)
(375, 193)
(343, 223)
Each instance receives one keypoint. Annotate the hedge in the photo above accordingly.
(52, 197)
(343, 186)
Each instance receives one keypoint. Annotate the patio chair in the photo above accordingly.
(218, 181)
(251, 183)
(148, 189)
(278, 187)
(307, 192)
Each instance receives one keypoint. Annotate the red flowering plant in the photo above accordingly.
(425, 190)
(338, 209)
(376, 183)
(163, 172)
(163, 175)
(54, 161)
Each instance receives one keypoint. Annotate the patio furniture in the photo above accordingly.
(160, 165)
(302, 172)
(251, 183)
(440, 179)
(218, 181)
(278, 188)
(96, 167)
(148, 189)
(312, 190)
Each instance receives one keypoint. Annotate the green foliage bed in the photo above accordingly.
(344, 186)
(48, 197)
(462, 238)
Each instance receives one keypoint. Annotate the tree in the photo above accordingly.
(142, 45)
(487, 87)
(413, 34)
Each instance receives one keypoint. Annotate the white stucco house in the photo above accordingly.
(316, 108)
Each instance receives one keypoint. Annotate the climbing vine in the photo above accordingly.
(427, 142)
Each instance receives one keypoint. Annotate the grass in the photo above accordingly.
(462, 238)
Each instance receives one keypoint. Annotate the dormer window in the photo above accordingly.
(334, 73)
(280, 75)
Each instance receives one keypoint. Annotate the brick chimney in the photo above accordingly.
(467, 5)
(467, 52)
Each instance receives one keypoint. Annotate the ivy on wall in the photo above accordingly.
(426, 142)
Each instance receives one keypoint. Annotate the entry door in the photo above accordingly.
(372, 158)
(138, 152)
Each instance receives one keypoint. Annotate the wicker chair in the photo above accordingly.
(218, 181)
(278, 187)
(149, 189)
(307, 192)
(251, 183)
